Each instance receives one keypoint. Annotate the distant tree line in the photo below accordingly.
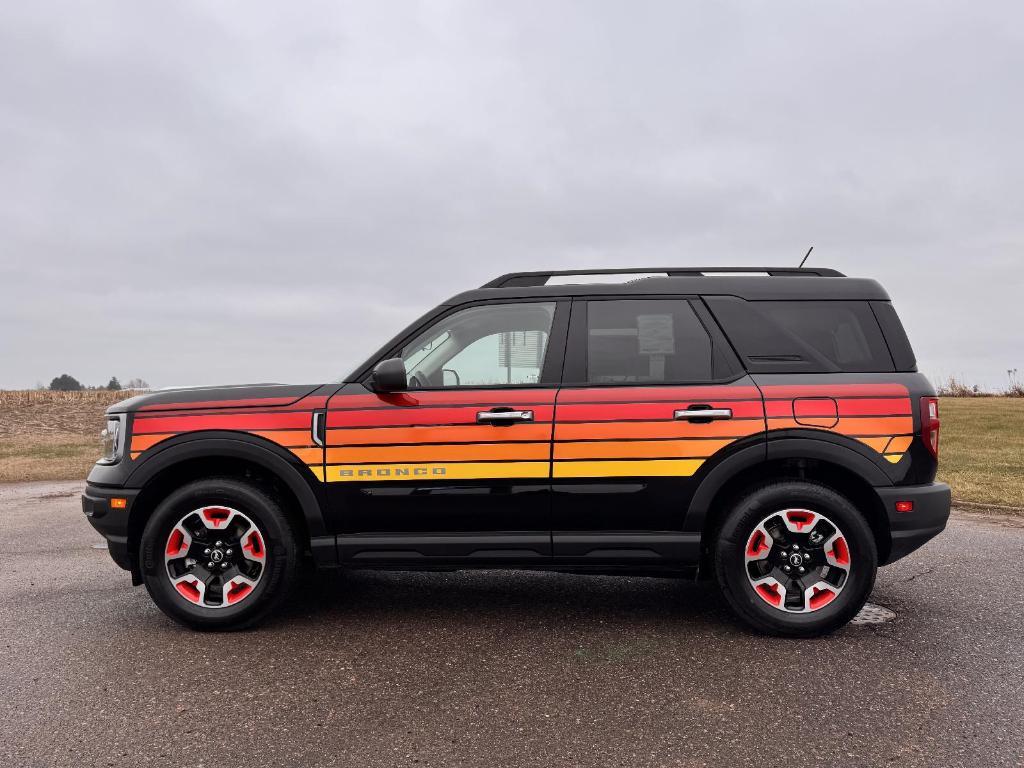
(67, 383)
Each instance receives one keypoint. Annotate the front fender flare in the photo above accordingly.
(269, 456)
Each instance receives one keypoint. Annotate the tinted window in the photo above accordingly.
(646, 341)
(486, 345)
(813, 336)
(895, 336)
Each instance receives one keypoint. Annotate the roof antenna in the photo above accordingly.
(805, 257)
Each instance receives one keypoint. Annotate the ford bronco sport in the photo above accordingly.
(769, 430)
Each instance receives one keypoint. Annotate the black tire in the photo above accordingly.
(279, 570)
(731, 568)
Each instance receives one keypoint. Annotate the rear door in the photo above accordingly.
(652, 393)
(459, 465)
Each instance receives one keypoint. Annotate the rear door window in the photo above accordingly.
(645, 341)
(804, 336)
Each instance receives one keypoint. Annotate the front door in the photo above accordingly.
(459, 465)
(652, 394)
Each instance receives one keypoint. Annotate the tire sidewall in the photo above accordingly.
(265, 514)
(739, 524)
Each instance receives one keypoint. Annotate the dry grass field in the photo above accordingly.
(55, 436)
(981, 451)
(51, 435)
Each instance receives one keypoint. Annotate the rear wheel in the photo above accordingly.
(218, 554)
(795, 558)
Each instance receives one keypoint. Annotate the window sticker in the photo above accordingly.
(655, 335)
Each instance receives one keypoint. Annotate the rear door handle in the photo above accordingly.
(702, 413)
(503, 417)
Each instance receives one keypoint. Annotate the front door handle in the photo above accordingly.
(503, 417)
(702, 414)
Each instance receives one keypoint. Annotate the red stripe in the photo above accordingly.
(650, 394)
(884, 407)
(462, 397)
(232, 421)
(809, 408)
(198, 404)
(287, 404)
(396, 417)
(831, 390)
(648, 411)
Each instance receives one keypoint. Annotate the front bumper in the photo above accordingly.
(909, 530)
(111, 521)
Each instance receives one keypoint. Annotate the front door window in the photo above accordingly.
(491, 345)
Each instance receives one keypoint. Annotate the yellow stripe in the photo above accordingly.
(318, 471)
(364, 473)
(653, 468)
(893, 458)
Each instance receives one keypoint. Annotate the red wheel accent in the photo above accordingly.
(769, 593)
(237, 591)
(175, 543)
(218, 516)
(791, 568)
(254, 544)
(840, 551)
(820, 598)
(237, 558)
(800, 518)
(189, 591)
(757, 544)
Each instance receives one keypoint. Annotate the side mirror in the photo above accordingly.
(389, 376)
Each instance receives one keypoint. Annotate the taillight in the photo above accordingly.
(930, 424)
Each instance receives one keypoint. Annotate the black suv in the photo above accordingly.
(770, 429)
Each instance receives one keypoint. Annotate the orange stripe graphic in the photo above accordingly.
(451, 434)
(309, 455)
(143, 442)
(440, 453)
(298, 439)
(871, 425)
(639, 430)
(640, 449)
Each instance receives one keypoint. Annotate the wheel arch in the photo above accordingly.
(829, 463)
(218, 454)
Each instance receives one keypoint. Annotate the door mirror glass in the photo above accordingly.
(389, 376)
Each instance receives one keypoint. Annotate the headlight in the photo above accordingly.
(112, 440)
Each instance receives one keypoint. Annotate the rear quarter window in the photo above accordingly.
(804, 336)
(895, 336)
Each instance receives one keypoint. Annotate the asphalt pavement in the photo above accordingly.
(502, 668)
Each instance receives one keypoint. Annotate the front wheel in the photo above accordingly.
(795, 558)
(218, 553)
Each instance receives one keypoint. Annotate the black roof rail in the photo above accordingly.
(523, 279)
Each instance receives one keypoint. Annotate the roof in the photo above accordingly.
(778, 283)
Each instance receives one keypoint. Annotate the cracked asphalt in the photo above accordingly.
(502, 668)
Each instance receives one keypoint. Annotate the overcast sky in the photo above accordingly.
(226, 192)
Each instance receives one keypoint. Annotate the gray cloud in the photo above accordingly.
(196, 192)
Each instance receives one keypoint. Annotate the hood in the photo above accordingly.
(238, 396)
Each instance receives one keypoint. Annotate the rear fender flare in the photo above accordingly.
(840, 454)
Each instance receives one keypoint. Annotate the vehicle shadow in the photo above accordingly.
(502, 595)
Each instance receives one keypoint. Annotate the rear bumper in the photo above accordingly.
(909, 530)
(110, 521)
